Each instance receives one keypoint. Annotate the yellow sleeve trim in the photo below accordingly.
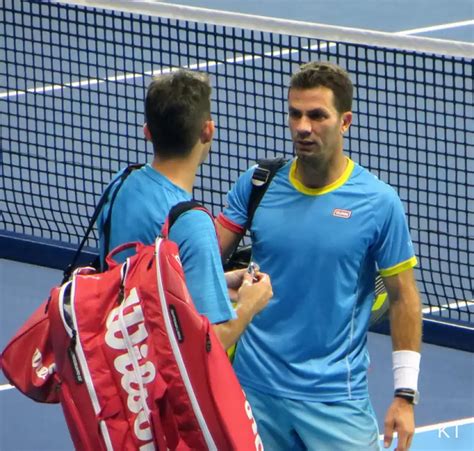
(325, 189)
(397, 269)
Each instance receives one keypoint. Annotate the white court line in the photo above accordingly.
(6, 387)
(446, 425)
(116, 78)
(123, 77)
(448, 306)
(439, 426)
(445, 26)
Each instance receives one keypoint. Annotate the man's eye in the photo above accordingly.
(317, 116)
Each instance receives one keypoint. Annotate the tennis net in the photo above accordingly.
(73, 82)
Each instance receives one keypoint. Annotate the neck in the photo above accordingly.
(182, 171)
(320, 175)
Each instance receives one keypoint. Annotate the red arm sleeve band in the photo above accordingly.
(229, 225)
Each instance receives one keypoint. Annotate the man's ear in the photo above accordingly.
(346, 121)
(207, 131)
(146, 132)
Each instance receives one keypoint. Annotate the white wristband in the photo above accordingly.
(406, 366)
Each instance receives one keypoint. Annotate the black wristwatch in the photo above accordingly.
(410, 395)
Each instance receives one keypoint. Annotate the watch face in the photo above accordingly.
(416, 398)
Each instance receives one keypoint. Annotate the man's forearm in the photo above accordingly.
(406, 322)
(253, 296)
(229, 332)
(405, 327)
(405, 311)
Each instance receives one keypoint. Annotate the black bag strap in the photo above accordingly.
(179, 209)
(108, 220)
(261, 179)
(105, 196)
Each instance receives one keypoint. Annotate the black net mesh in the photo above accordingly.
(73, 82)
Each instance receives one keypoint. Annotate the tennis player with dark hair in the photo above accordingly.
(179, 125)
(323, 230)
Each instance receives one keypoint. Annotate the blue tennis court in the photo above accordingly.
(51, 176)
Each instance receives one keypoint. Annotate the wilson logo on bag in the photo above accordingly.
(126, 332)
(42, 372)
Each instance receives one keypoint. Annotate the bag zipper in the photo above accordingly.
(78, 351)
(177, 353)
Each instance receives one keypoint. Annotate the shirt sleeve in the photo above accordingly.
(195, 235)
(393, 249)
(234, 215)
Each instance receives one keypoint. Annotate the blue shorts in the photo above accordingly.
(287, 424)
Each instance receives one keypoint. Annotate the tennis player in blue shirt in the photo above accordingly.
(324, 229)
(179, 125)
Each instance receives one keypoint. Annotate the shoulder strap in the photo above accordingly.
(105, 196)
(107, 224)
(262, 176)
(177, 211)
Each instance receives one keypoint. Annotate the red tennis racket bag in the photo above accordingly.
(136, 367)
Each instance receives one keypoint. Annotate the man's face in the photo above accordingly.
(316, 126)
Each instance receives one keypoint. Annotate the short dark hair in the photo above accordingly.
(177, 105)
(323, 73)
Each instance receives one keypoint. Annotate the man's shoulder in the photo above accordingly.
(194, 220)
(131, 180)
(370, 183)
(195, 234)
(198, 213)
(244, 183)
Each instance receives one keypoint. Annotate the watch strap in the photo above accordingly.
(408, 394)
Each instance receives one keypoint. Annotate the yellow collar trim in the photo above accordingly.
(325, 189)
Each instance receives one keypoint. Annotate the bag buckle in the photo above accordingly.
(260, 176)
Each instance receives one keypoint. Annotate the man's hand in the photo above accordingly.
(400, 418)
(254, 293)
(251, 296)
(234, 280)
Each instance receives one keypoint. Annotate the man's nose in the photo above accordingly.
(303, 127)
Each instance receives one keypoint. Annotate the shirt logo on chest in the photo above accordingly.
(340, 213)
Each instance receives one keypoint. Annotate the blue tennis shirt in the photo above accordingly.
(322, 249)
(138, 214)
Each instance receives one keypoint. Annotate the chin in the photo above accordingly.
(310, 153)
(311, 159)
